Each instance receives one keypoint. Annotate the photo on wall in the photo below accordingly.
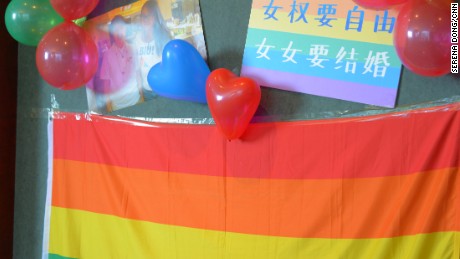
(130, 40)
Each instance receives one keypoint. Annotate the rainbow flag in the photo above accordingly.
(331, 48)
(380, 187)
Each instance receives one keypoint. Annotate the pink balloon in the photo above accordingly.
(74, 9)
(67, 56)
(422, 38)
(378, 4)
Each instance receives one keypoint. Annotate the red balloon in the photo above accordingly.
(74, 9)
(422, 38)
(232, 101)
(378, 4)
(67, 56)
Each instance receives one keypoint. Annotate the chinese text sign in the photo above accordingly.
(328, 48)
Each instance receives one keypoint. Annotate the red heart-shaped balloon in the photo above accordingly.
(232, 101)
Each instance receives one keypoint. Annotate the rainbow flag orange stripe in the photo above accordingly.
(265, 207)
(384, 186)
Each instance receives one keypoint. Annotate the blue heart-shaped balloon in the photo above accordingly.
(181, 74)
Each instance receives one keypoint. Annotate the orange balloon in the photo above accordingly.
(232, 101)
(67, 56)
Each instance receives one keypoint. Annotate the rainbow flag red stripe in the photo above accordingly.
(384, 186)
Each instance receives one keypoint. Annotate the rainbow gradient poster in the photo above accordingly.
(328, 48)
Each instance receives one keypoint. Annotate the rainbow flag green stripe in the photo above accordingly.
(56, 256)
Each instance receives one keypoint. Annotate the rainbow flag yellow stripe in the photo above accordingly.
(81, 234)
